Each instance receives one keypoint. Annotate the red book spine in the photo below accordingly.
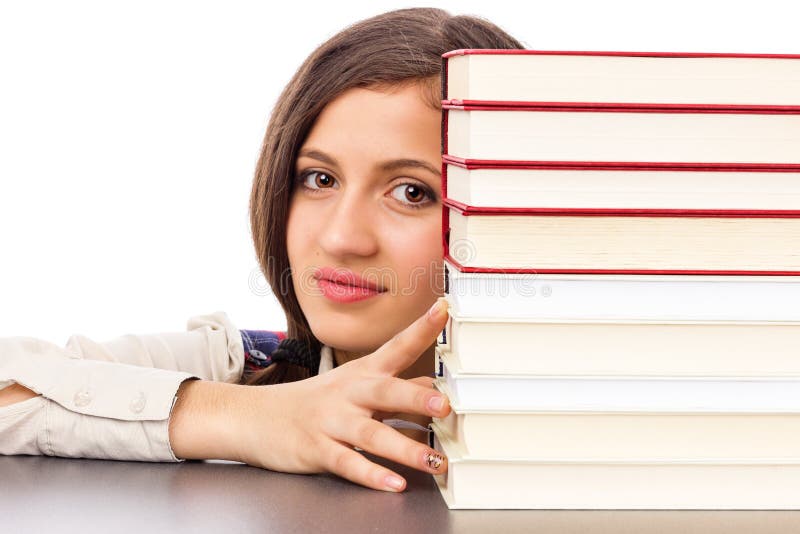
(617, 107)
(618, 165)
(467, 210)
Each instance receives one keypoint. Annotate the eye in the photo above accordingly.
(413, 195)
(321, 180)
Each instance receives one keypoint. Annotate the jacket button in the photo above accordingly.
(137, 404)
(82, 397)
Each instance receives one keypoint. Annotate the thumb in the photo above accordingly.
(406, 346)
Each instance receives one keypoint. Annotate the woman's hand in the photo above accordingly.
(311, 426)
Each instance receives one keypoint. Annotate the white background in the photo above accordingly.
(129, 133)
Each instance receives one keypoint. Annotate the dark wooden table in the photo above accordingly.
(44, 494)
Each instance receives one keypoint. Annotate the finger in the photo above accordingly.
(386, 442)
(425, 381)
(351, 465)
(390, 394)
(407, 345)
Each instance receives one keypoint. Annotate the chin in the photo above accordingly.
(351, 338)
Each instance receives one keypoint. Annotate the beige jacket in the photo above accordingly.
(113, 400)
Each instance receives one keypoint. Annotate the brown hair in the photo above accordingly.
(390, 49)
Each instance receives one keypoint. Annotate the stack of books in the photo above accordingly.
(621, 235)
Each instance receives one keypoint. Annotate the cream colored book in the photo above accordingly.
(623, 436)
(489, 345)
(602, 484)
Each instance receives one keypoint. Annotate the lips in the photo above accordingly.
(346, 277)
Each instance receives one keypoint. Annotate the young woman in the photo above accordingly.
(346, 220)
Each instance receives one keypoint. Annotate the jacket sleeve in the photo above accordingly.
(110, 400)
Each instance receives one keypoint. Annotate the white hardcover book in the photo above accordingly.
(615, 297)
(617, 393)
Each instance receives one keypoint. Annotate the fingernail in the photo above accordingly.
(438, 309)
(393, 482)
(435, 403)
(434, 460)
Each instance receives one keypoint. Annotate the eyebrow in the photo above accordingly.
(388, 165)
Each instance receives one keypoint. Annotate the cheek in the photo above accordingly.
(417, 253)
(298, 236)
(299, 247)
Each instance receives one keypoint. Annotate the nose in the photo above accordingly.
(350, 228)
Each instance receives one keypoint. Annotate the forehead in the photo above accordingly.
(380, 122)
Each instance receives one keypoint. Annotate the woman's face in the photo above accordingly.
(367, 203)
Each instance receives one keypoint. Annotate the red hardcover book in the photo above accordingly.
(573, 78)
(755, 225)
(623, 135)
